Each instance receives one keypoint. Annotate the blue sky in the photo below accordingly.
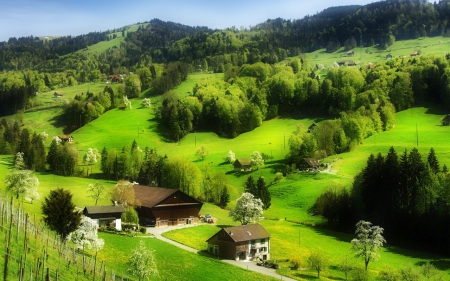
(74, 17)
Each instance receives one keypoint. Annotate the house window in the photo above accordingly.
(253, 243)
(180, 219)
(263, 249)
(263, 241)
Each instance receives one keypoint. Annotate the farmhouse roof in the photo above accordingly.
(65, 137)
(415, 53)
(446, 118)
(150, 196)
(245, 232)
(242, 161)
(104, 209)
(312, 162)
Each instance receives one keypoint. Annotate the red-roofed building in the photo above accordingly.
(245, 242)
(165, 206)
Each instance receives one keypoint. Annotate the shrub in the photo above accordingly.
(295, 263)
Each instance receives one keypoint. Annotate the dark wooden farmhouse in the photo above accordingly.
(413, 54)
(308, 163)
(245, 242)
(105, 215)
(57, 94)
(165, 206)
(242, 165)
(350, 53)
(388, 56)
(122, 106)
(446, 120)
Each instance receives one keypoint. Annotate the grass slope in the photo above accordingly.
(173, 263)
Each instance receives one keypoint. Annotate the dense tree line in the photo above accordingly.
(14, 138)
(148, 167)
(403, 193)
(87, 107)
(377, 23)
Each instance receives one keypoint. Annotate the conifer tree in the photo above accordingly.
(263, 193)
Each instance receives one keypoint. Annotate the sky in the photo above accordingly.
(19, 18)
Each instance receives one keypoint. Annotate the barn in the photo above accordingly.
(165, 206)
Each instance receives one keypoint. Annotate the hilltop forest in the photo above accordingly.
(263, 75)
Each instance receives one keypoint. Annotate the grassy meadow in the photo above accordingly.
(294, 232)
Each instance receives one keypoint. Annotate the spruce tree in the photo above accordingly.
(224, 197)
(263, 193)
(60, 213)
(432, 160)
(250, 187)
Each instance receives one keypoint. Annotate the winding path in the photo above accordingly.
(158, 231)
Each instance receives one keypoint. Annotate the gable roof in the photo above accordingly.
(245, 232)
(312, 162)
(104, 209)
(242, 162)
(151, 196)
(446, 118)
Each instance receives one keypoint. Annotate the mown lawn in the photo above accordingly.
(173, 263)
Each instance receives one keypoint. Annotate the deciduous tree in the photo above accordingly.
(142, 262)
(96, 191)
(248, 209)
(318, 261)
(86, 235)
(368, 242)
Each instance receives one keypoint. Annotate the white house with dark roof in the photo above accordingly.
(245, 242)
(105, 215)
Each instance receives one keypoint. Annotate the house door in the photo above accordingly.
(243, 255)
(216, 250)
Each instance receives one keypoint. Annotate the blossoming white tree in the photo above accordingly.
(142, 262)
(256, 159)
(146, 103)
(231, 157)
(127, 102)
(19, 182)
(91, 157)
(86, 235)
(248, 209)
(368, 242)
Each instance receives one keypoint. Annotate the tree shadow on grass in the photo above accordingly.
(160, 130)
(441, 264)
(58, 121)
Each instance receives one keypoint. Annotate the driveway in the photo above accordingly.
(249, 265)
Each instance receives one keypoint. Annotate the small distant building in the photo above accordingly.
(312, 127)
(346, 63)
(245, 242)
(388, 56)
(413, 54)
(446, 120)
(66, 138)
(57, 95)
(308, 163)
(115, 77)
(350, 53)
(105, 215)
(242, 165)
(370, 65)
(122, 107)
